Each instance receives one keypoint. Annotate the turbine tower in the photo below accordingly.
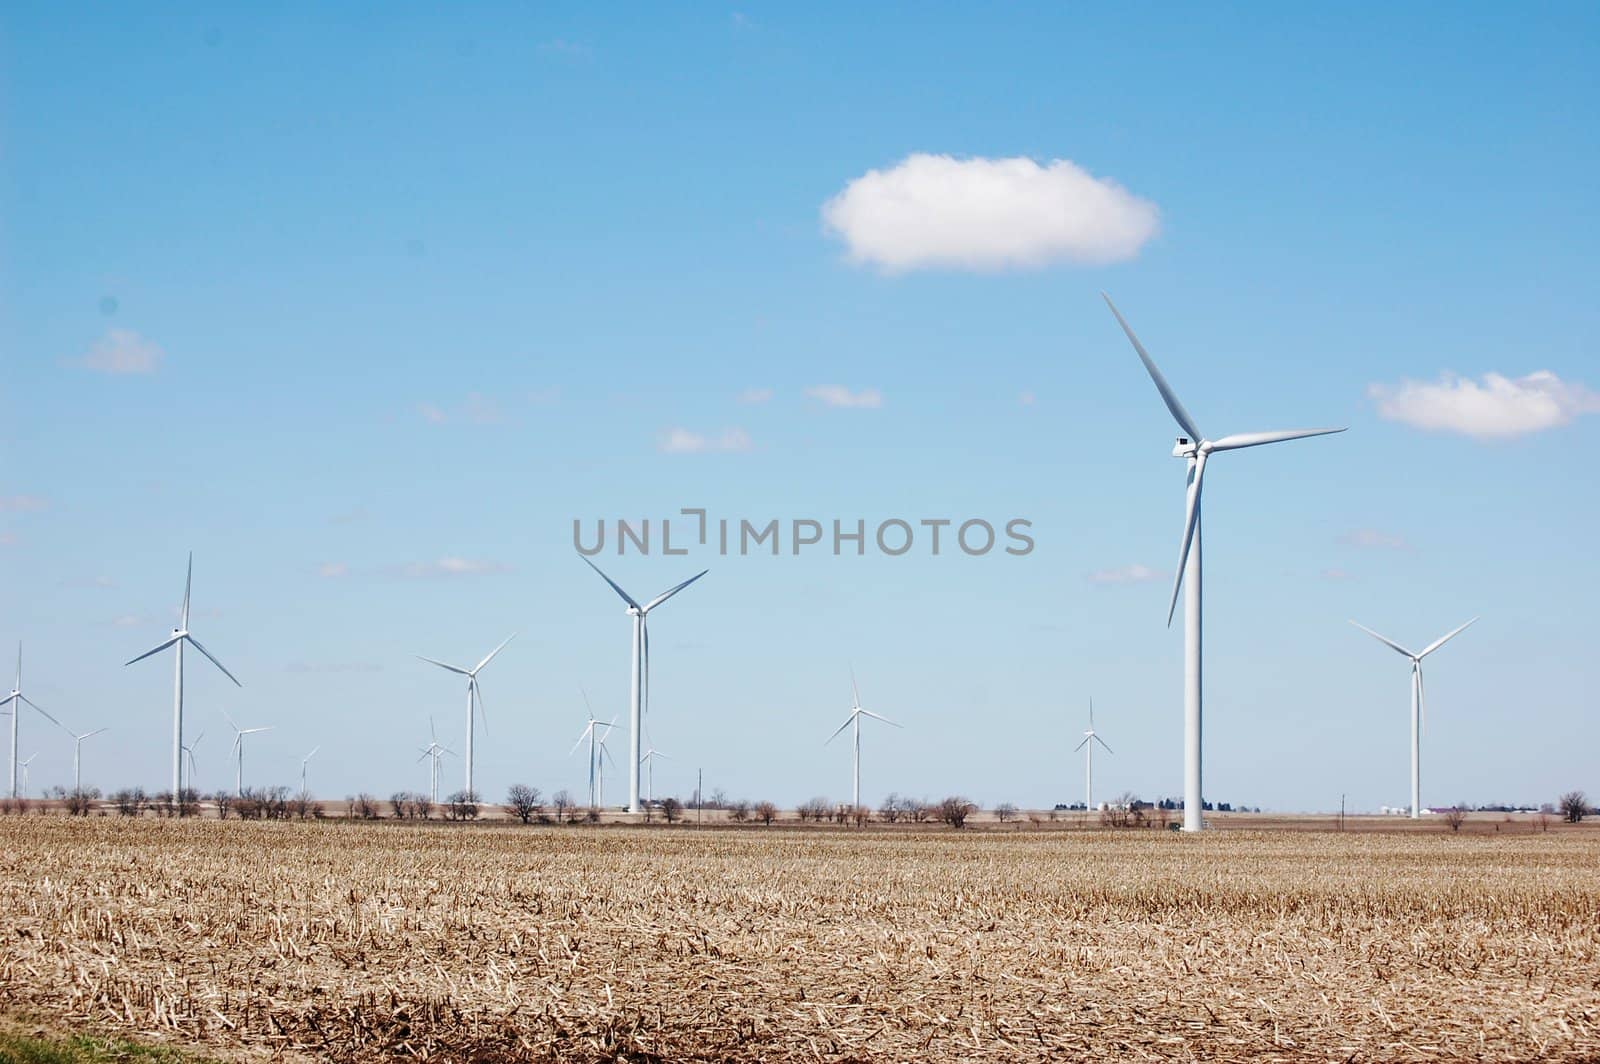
(238, 752)
(1419, 712)
(1195, 449)
(856, 713)
(180, 636)
(1087, 746)
(304, 761)
(16, 699)
(474, 693)
(639, 688)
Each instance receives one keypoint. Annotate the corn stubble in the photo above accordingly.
(362, 942)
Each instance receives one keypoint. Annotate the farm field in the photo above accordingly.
(355, 941)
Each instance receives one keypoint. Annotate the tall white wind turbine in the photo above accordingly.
(639, 688)
(180, 635)
(1195, 449)
(16, 700)
(435, 751)
(77, 756)
(1419, 711)
(304, 761)
(856, 713)
(474, 694)
(1090, 737)
(592, 733)
(238, 752)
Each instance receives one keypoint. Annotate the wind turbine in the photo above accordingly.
(77, 756)
(1087, 746)
(188, 752)
(304, 761)
(435, 751)
(1419, 712)
(1195, 449)
(474, 693)
(16, 699)
(592, 733)
(25, 765)
(180, 635)
(602, 755)
(856, 713)
(639, 687)
(238, 752)
(650, 756)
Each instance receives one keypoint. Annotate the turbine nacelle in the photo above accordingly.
(1184, 448)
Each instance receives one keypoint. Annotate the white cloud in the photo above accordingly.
(432, 414)
(449, 566)
(23, 504)
(1498, 408)
(333, 570)
(937, 211)
(476, 409)
(838, 395)
(685, 441)
(123, 351)
(1373, 539)
(753, 396)
(1336, 575)
(1127, 574)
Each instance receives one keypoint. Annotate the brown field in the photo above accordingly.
(352, 941)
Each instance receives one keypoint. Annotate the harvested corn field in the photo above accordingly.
(355, 942)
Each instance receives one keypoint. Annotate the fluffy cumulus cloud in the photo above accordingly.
(123, 351)
(840, 396)
(940, 212)
(687, 441)
(1127, 574)
(1496, 408)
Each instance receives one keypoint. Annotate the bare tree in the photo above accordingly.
(739, 811)
(130, 801)
(766, 812)
(525, 802)
(462, 805)
(365, 806)
(1574, 805)
(890, 810)
(1455, 816)
(671, 810)
(955, 810)
(1005, 811)
(562, 800)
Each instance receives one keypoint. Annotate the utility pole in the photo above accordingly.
(699, 793)
(1341, 812)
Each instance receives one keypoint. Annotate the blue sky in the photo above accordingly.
(366, 305)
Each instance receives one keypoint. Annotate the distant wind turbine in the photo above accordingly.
(188, 751)
(592, 733)
(435, 751)
(24, 766)
(1419, 712)
(238, 752)
(1087, 746)
(856, 713)
(1194, 448)
(15, 700)
(474, 694)
(304, 761)
(77, 756)
(650, 756)
(639, 686)
(180, 636)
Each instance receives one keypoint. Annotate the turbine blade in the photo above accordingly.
(157, 650)
(1191, 518)
(442, 665)
(495, 651)
(1422, 702)
(1102, 742)
(581, 738)
(312, 754)
(1442, 640)
(229, 719)
(614, 585)
(1080, 746)
(659, 599)
(1385, 640)
(644, 672)
(47, 716)
(1179, 414)
(855, 692)
(425, 755)
(849, 721)
(478, 693)
(1256, 439)
(196, 644)
(188, 582)
(886, 720)
(97, 731)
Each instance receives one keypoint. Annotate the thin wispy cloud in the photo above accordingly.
(1498, 407)
(23, 504)
(1372, 539)
(432, 414)
(331, 667)
(1126, 574)
(755, 396)
(561, 48)
(1025, 399)
(123, 351)
(839, 396)
(1336, 575)
(91, 583)
(941, 212)
(333, 570)
(475, 409)
(686, 441)
(544, 396)
(448, 567)
(129, 620)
